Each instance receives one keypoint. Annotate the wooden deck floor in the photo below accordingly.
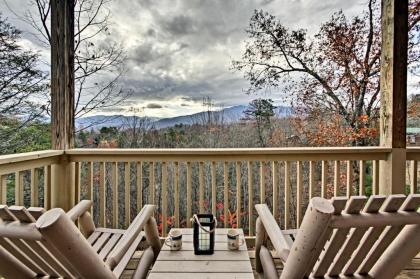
(412, 271)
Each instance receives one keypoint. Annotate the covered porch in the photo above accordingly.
(225, 182)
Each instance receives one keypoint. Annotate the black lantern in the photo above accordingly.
(203, 236)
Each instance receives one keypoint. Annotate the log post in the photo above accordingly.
(62, 99)
(394, 95)
(310, 239)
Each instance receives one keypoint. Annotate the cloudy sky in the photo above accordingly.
(180, 51)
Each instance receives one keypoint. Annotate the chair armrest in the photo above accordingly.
(281, 245)
(79, 209)
(130, 235)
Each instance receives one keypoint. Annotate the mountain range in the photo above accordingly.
(229, 115)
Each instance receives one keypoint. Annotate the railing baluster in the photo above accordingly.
(349, 179)
(77, 181)
(19, 188)
(152, 182)
(226, 193)
(286, 195)
(336, 178)
(311, 179)
(164, 197)
(201, 187)
(299, 192)
(262, 182)
(324, 174)
(213, 189)
(139, 185)
(115, 203)
(47, 187)
(127, 193)
(176, 194)
(34, 187)
(189, 194)
(362, 177)
(238, 195)
(413, 184)
(375, 177)
(275, 174)
(250, 198)
(102, 198)
(3, 189)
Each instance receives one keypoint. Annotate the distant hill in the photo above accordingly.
(229, 115)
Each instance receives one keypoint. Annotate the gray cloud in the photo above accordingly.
(179, 25)
(183, 48)
(154, 106)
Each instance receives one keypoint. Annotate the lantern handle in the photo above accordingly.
(195, 219)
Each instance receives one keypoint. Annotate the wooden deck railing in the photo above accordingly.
(413, 156)
(225, 182)
(33, 168)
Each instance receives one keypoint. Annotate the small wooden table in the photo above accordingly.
(184, 264)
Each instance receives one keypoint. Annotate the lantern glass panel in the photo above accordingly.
(204, 226)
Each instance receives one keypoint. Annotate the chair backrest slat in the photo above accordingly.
(61, 259)
(35, 258)
(398, 254)
(390, 233)
(5, 214)
(373, 205)
(19, 255)
(22, 214)
(36, 212)
(354, 205)
(391, 204)
(10, 267)
(58, 270)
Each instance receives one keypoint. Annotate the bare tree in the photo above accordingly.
(135, 128)
(99, 60)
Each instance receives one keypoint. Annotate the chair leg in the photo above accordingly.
(260, 239)
(152, 236)
(268, 264)
(146, 261)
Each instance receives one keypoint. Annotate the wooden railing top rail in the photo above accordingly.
(203, 154)
(230, 154)
(227, 151)
(28, 156)
(413, 153)
(28, 160)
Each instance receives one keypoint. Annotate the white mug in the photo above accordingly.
(174, 240)
(234, 242)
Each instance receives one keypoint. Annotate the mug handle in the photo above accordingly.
(166, 241)
(241, 241)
